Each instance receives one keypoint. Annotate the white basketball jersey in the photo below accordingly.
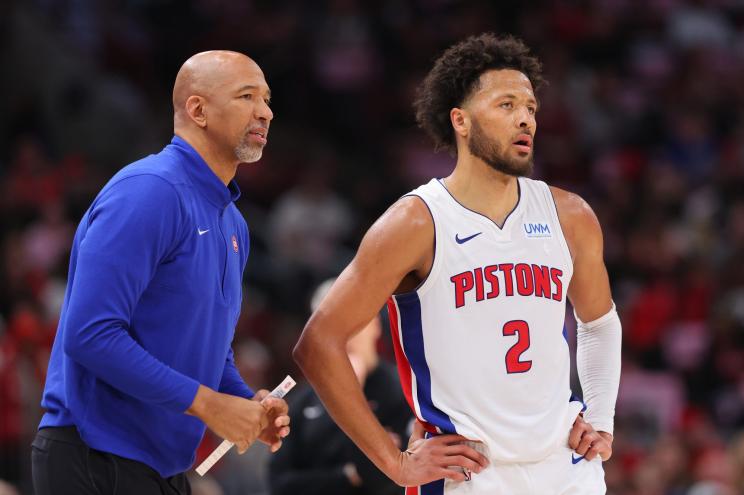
(480, 344)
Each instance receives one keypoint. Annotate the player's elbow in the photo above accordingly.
(301, 349)
(309, 347)
(321, 343)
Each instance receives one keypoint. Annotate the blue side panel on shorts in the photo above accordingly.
(412, 332)
(433, 488)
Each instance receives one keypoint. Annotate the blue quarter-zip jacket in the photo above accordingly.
(152, 299)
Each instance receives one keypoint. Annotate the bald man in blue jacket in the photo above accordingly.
(142, 362)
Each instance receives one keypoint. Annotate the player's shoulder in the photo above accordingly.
(407, 218)
(402, 236)
(410, 208)
(577, 218)
(572, 207)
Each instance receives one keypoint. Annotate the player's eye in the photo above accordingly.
(507, 105)
(247, 96)
(532, 110)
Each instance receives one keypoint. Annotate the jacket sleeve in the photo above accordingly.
(132, 227)
(232, 383)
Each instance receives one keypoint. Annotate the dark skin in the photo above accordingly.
(396, 254)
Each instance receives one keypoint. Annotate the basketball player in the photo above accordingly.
(476, 268)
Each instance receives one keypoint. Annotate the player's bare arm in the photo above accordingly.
(395, 254)
(589, 293)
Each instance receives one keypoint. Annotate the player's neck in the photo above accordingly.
(223, 167)
(484, 190)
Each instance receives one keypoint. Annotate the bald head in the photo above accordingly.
(205, 73)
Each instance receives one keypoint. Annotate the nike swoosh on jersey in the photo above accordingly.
(576, 460)
(465, 239)
(201, 232)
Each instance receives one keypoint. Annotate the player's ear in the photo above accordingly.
(196, 110)
(460, 121)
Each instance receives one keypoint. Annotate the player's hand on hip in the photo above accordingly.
(443, 456)
(588, 442)
(277, 426)
(417, 433)
(233, 418)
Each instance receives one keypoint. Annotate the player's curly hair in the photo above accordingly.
(456, 75)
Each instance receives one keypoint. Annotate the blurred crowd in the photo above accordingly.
(643, 116)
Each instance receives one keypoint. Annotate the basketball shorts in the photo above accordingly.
(562, 473)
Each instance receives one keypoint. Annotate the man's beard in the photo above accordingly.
(490, 152)
(245, 152)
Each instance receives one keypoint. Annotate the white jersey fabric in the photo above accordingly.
(480, 344)
(562, 473)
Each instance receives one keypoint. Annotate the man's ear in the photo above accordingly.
(196, 110)
(460, 121)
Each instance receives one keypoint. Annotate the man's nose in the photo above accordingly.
(525, 120)
(264, 113)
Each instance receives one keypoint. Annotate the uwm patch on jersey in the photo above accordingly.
(537, 229)
(479, 345)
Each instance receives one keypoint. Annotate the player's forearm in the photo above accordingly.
(326, 365)
(598, 362)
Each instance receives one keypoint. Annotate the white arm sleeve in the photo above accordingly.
(598, 362)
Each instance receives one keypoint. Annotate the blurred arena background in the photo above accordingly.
(644, 117)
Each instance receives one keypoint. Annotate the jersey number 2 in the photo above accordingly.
(522, 330)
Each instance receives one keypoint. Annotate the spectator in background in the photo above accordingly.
(320, 458)
(307, 226)
(309, 221)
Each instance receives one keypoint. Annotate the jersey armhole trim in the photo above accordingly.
(424, 285)
(564, 241)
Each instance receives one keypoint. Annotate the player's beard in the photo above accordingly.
(246, 152)
(491, 152)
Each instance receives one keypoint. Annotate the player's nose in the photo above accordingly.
(525, 120)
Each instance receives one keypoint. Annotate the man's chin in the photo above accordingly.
(515, 168)
(524, 169)
(249, 155)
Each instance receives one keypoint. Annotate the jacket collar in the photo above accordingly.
(203, 178)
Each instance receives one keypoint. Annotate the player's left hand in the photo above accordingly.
(278, 427)
(589, 443)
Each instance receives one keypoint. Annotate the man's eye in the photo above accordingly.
(506, 104)
(247, 97)
(532, 110)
